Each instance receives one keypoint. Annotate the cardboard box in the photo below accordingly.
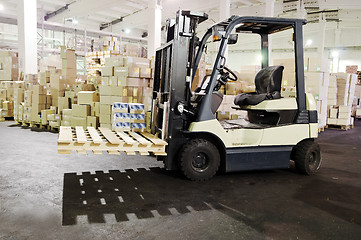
(145, 72)
(121, 71)
(105, 81)
(67, 112)
(344, 115)
(105, 90)
(113, 81)
(39, 99)
(107, 71)
(344, 121)
(105, 109)
(136, 62)
(65, 123)
(344, 109)
(332, 121)
(106, 100)
(134, 72)
(95, 109)
(223, 115)
(333, 112)
(88, 97)
(105, 119)
(92, 121)
(78, 121)
(80, 110)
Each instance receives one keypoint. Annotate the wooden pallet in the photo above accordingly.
(104, 139)
(339, 127)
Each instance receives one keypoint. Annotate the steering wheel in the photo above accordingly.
(229, 74)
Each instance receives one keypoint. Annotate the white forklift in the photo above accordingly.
(277, 129)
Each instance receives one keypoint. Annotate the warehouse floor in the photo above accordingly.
(44, 195)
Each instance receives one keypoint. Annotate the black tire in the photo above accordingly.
(307, 157)
(199, 160)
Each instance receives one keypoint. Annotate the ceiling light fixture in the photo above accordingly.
(127, 31)
(75, 22)
(335, 54)
(1, 7)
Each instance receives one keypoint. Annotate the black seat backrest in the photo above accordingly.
(269, 79)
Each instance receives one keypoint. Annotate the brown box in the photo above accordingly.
(88, 97)
(105, 90)
(80, 110)
(222, 115)
(92, 121)
(38, 89)
(39, 99)
(113, 81)
(78, 121)
(133, 72)
(105, 118)
(145, 72)
(105, 109)
(105, 100)
(95, 109)
(107, 71)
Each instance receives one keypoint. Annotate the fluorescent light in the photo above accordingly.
(75, 22)
(259, 57)
(1, 7)
(127, 31)
(309, 42)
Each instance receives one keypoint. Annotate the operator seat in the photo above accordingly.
(268, 86)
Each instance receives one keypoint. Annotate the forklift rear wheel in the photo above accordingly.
(307, 157)
(199, 160)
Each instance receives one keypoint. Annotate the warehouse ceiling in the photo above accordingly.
(129, 17)
(131, 14)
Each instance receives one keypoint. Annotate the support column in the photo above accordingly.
(27, 36)
(335, 53)
(322, 33)
(269, 12)
(154, 26)
(224, 13)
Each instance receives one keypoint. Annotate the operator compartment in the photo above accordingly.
(265, 106)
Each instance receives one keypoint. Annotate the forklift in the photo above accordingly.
(277, 130)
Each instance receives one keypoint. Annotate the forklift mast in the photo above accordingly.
(172, 81)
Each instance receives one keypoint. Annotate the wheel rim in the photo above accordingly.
(200, 162)
(313, 161)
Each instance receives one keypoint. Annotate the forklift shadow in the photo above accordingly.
(156, 192)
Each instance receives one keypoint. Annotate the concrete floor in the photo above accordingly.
(44, 195)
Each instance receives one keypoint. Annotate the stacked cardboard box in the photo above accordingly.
(317, 83)
(84, 113)
(226, 112)
(345, 88)
(110, 44)
(66, 117)
(38, 101)
(332, 90)
(200, 74)
(340, 115)
(128, 116)
(68, 63)
(352, 69)
(124, 79)
(96, 60)
(9, 70)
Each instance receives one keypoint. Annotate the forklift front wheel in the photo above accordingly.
(199, 160)
(307, 157)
